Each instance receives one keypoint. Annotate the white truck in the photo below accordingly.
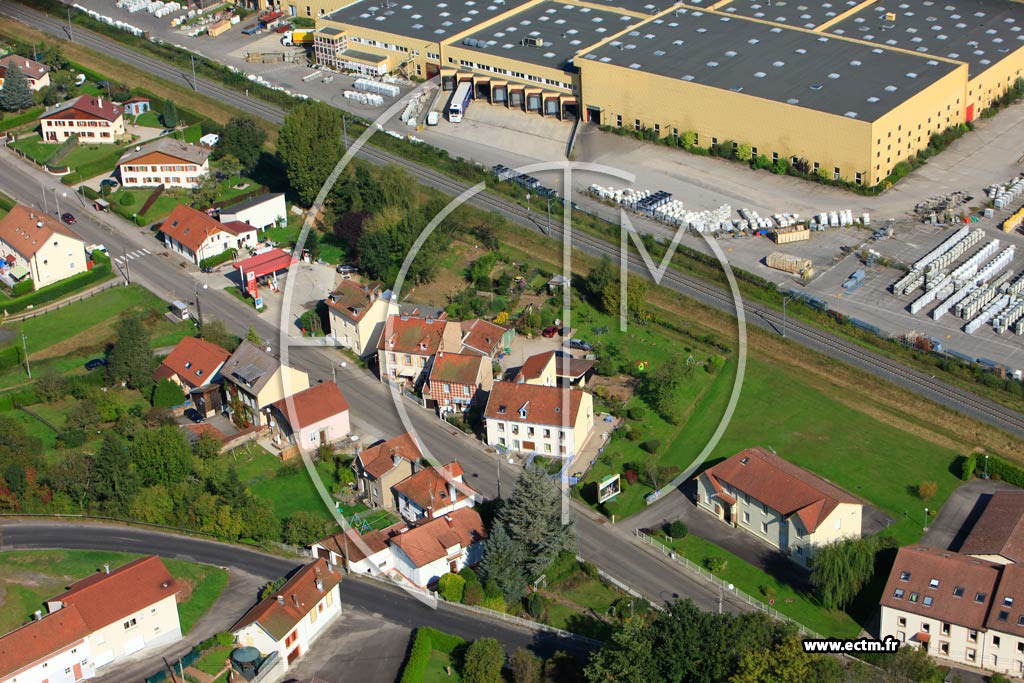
(432, 118)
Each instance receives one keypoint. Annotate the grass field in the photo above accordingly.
(150, 120)
(34, 148)
(436, 669)
(286, 486)
(213, 661)
(28, 577)
(158, 211)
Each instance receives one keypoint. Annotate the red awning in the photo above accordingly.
(725, 497)
(923, 637)
(266, 263)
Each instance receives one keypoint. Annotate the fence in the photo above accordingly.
(724, 585)
(45, 308)
(526, 623)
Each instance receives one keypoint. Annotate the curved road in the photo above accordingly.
(802, 333)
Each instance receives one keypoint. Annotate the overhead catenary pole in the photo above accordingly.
(199, 312)
(127, 270)
(71, 35)
(195, 83)
(24, 346)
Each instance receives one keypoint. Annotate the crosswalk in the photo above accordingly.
(138, 253)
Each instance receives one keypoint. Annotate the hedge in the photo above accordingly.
(426, 641)
(26, 116)
(22, 397)
(101, 271)
(214, 261)
(93, 168)
(6, 203)
(23, 288)
(1001, 469)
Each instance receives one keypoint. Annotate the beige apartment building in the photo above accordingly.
(37, 246)
(357, 313)
(254, 380)
(380, 467)
(530, 418)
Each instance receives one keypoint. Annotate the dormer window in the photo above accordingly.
(1007, 601)
(501, 410)
(522, 411)
(934, 583)
(199, 372)
(904, 576)
(188, 364)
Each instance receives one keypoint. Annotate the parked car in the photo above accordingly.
(346, 268)
(206, 269)
(109, 182)
(68, 218)
(580, 344)
(95, 364)
(194, 415)
(550, 331)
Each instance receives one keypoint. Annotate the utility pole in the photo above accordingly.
(548, 230)
(56, 198)
(344, 130)
(199, 310)
(42, 188)
(127, 270)
(71, 36)
(497, 461)
(24, 347)
(195, 83)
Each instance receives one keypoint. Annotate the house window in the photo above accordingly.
(330, 598)
(901, 621)
(764, 527)
(746, 518)
(1003, 615)
(291, 638)
(972, 636)
(926, 627)
(898, 594)
(971, 655)
(407, 359)
(945, 629)
(312, 616)
(1007, 602)
(927, 601)
(129, 624)
(980, 597)
(934, 583)
(996, 641)
(958, 592)
(944, 648)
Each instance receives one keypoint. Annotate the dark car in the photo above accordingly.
(194, 415)
(580, 344)
(206, 269)
(549, 331)
(95, 364)
(109, 182)
(68, 218)
(346, 268)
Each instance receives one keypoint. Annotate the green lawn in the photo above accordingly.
(29, 577)
(332, 250)
(87, 153)
(213, 661)
(158, 211)
(150, 120)
(34, 147)
(436, 673)
(286, 486)
(788, 601)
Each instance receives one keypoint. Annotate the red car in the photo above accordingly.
(550, 331)
(68, 218)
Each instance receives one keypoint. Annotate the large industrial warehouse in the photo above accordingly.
(853, 88)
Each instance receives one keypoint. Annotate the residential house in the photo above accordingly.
(287, 622)
(192, 363)
(484, 337)
(432, 493)
(37, 75)
(998, 535)
(91, 118)
(357, 314)
(52, 648)
(380, 467)
(941, 600)
(555, 368)
(262, 212)
(311, 418)
(528, 418)
(456, 381)
(136, 106)
(368, 553)
(242, 234)
(254, 380)
(446, 544)
(408, 343)
(126, 610)
(197, 236)
(167, 161)
(40, 247)
(781, 504)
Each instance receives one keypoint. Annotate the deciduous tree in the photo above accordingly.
(841, 569)
(243, 139)
(131, 358)
(483, 662)
(310, 146)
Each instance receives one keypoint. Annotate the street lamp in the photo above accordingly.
(334, 370)
(57, 197)
(986, 465)
(721, 595)
(926, 519)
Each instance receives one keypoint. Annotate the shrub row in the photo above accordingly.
(93, 168)
(220, 258)
(27, 116)
(101, 271)
(426, 641)
(1007, 471)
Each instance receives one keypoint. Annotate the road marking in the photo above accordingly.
(147, 251)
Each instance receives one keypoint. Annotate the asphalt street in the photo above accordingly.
(610, 547)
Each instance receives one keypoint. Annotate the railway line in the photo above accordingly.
(807, 335)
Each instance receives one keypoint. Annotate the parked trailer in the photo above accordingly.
(460, 102)
(787, 263)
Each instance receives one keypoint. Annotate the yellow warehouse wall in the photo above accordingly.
(418, 53)
(453, 57)
(994, 81)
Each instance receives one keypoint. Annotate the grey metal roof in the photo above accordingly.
(251, 203)
(250, 367)
(800, 13)
(646, 7)
(361, 56)
(979, 32)
(426, 20)
(548, 34)
(330, 31)
(786, 65)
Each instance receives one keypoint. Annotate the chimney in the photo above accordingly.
(106, 568)
(320, 585)
(448, 518)
(39, 224)
(280, 599)
(99, 102)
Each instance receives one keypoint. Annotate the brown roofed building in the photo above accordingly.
(432, 493)
(555, 368)
(367, 553)
(778, 502)
(193, 363)
(37, 75)
(380, 467)
(254, 379)
(52, 643)
(998, 535)
(312, 417)
(167, 161)
(291, 619)
(39, 247)
(528, 418)
(408, 343)
(456, 381)
(357, 313)
(92, 118)
(940, 600)
(482, 336)
(445, 544)
(194, 234)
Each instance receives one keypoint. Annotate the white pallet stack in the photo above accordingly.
(974, 303)
(376, 87)
(929, 296)
(969, 268)
(957, 296)
(993, 267)
(946, 245)
(991, 311)
(1015, 287)
(957, 250)
(1012, 315)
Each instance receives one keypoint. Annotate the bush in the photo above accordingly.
(926, 490)
(469, 576)
(419, 657)
(496, 603)
(767, 591)
(636, 413)
(651, 446)
(71, 438)
(24, 287)
(968, 465)
(483, 662)
(167, 394)
(526, 667)
(590, 569)
(214, 261)
(564, 565)
(676, 529)
(451, 587)
(536, 604)
(715, 564)
(473, 594)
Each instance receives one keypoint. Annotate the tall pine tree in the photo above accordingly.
(15, 94)
(533, 519)
(504, 563)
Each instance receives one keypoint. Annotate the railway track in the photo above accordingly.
(952, 397)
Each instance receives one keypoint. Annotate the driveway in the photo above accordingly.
(962, 509)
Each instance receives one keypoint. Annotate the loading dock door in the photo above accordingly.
(499, 95)
(594, 115)
(515, 99)
(533, 103)
(551, 107)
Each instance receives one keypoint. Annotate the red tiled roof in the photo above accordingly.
(950, 574)
(1000, 529)
(533, 404)
(431, 541)
(189, 227)
(297, 597)
(92, 107)
(194, 360)
(207, 428)
(534, 366)
(38, 640)
(352, 299)
(135, 99)
(457, 368)
(482, 335)
(428, 488)
(267, 262)
(417, 336)
(21, 230)
(32, 69)
(374, 541)
(782, 486)
(309, 406)
(377, 460)
(237, 228)
(1007, 613)
(104, 598)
